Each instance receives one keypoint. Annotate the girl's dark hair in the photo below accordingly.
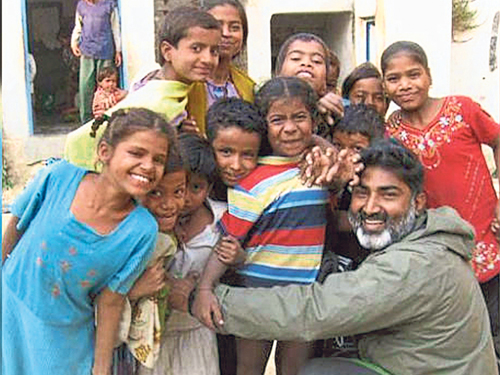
(305, 37)
(230, 112)
(363, 71)
(198, 156)
(177, 23)
(175, 161)
(125, 122)
(359, 118)
(410, 48)
(210, 4)
(393, 157)
(279, 88)
(107, 71)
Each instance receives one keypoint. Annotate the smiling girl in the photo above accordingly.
(79, 239)
(447, 135)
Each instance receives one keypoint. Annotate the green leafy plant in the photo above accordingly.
(6, 180)
(463, 17)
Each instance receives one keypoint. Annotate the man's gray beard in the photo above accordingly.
(394, 231)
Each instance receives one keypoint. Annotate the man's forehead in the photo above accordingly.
(377, 177)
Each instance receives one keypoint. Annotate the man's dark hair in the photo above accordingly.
(198, 156)
(359, 118)
(392, 156)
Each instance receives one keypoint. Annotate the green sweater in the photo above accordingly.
(416, 305)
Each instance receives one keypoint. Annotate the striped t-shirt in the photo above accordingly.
(280, 223)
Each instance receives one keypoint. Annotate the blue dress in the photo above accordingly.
(55, 271)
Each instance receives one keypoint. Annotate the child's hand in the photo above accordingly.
(229, 251)
(206, 309)
(76, 50)
(180, 289)
(150, 282)
(331, 106)
(189, 126)
(345, 169)
(316, 164)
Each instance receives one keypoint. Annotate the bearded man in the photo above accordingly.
(413, 302)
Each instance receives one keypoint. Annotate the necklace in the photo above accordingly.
(217, 91)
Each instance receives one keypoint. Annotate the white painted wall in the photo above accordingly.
(138, 35)
(426, 22)
(470, 71)
(14, 96)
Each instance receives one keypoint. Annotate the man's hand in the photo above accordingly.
(118, 59)
(229, 251)
(76, 50)
(207, 310)
(180, 290)
(331, 106)
(151, 281)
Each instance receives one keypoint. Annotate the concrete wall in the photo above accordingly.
(426, 22)
(475, 59)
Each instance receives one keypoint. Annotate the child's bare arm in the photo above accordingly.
(229, 251)
(206, 306)
(150, 282)
(109, 310)
(11, 237)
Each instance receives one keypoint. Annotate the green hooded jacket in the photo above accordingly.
(416, 305)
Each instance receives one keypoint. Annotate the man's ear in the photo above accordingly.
(166, 50)
(420, 202)
(104, 152)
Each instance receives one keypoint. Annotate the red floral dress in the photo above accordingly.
(449, 147)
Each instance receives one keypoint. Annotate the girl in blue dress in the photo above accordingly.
(78, 239)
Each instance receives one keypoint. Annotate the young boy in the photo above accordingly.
(235, 130)
(108, 93)
(96, 40)
(360, 126)
(188, 45)
(188, 347)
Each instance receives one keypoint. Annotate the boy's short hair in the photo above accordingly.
(175, 161)
(230, 112)
(198, 156)
(359, 118)
(106, 72)
(393, 157)
(177, 23)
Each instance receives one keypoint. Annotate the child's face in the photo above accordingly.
(232, 29)
(195, 56)
(197, 192)
(306, 60)
(289, 127)
(370, 92)
(167, 200)
(136, 164)
(236, 152)
(351, 141)
(109, 83)
(407, 82)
